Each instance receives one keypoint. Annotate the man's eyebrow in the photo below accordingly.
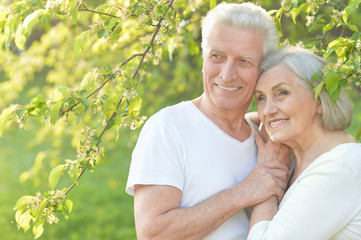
(221, 51)
(216, 50)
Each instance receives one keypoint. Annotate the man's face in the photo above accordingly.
(230, 67)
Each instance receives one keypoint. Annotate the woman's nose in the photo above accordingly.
(270, 107)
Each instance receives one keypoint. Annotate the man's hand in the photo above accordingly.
(265, 180)
(269, 177)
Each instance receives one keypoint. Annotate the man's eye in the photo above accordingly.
(244, 61)
(216, 55)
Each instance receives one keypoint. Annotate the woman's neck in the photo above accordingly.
(319, 145)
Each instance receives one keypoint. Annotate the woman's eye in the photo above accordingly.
(260, 98)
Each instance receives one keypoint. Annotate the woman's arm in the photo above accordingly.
(267, 152)
(319, 204)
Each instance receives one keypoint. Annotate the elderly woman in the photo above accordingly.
(323, 199)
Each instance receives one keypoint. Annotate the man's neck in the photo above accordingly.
(231, 122)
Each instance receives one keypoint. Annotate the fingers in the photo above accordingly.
(277, 165)
(263, 133)
(259, 140)
(264, 182)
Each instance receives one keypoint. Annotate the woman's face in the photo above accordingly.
(287, 109)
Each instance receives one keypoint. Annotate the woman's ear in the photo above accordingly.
(319, 108)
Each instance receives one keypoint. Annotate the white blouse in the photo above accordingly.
(323, 203)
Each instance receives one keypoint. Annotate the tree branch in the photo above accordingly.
(101, 13)
(151, 42)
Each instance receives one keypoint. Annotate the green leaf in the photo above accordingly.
(55, 112)
(279, 27)
(74, 172)
(356, 36)
(331, 79)
(335, 42)
(318, 89)
(20, 38)
(22, 202)
(315, 76)
(109, 107)
(353, 27)
(334, 95)
(296, 11)
(17, 217)
(328, 27)
(38, 230)
(350, 8)
(24, 220)
(40, 209)
(69, 205)
(85, 102)
(55, 175)
(135, 106)
(212, 4)
(5, 116)
(87, 81)
(74, 13)
(31, 18)
(81, 42)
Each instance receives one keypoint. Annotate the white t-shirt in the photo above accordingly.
(323, 203)
(179, 146)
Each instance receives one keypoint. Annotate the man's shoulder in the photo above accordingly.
(175, 112)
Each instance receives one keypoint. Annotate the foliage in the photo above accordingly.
(101, 61)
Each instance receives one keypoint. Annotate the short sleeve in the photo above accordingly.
(157, 156)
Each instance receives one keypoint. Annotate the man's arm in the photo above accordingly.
(158, 215)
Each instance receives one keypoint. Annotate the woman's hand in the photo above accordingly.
(269, 151)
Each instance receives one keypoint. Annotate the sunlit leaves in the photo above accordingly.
(55, 175)
(212, 4)
(5, 116)
(341, 50)
(96, 60)
(41, 208)
(332, 84)
(29, 21)
(134, 107)
(80, 42)
(38, 230)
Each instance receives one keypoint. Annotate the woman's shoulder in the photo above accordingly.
(350, 157)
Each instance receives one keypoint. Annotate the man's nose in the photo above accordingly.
(228, 72)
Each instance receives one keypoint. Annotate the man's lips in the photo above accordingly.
(227, 88)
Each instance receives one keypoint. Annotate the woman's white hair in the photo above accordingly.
(244, 15)
(304, 64)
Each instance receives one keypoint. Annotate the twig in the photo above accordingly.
(121, 99)
(102, 13)
(151, 42)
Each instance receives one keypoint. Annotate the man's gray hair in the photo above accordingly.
(244, 15)
(304, 64)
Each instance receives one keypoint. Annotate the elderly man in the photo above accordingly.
(194, 169)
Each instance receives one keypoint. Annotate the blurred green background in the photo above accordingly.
(102, 209)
